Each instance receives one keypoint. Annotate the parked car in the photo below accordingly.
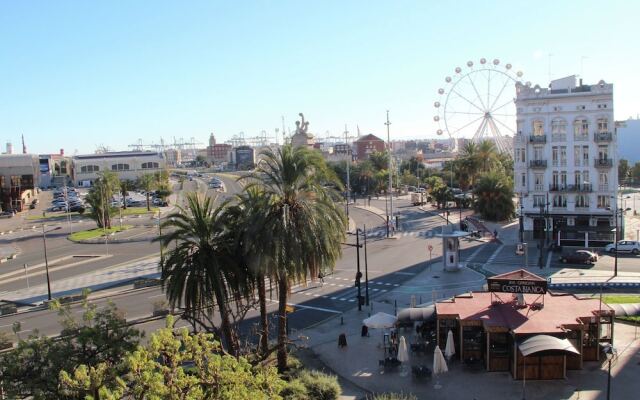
(6, 214)
(579, 257)
(624, 246)
(57, 208)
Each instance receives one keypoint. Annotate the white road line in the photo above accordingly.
(156, 295)
(333, 298)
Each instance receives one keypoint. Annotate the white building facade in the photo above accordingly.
(565, 162)
(128, 165)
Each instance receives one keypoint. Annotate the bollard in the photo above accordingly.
(395, 307)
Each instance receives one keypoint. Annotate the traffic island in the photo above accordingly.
(95, 235)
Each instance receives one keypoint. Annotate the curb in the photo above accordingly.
(594, 285)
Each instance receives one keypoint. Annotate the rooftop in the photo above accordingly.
(558, 311)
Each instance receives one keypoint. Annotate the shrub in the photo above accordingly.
(320, 386)
(5, 342)
(393, 396)
(295, 390)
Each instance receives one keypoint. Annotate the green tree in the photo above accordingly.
(175, 366)
(494, 197)
(487, 155)
(100, 196)
(148, 183)
(302, 222)
(441, 194)
(624, 170)
(202, 270)
(103, 337)
(380, 160)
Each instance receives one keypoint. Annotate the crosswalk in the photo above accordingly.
(317, 289)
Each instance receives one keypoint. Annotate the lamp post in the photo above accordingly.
(521, 220)
(543, 216)
(160, 235)
(390, 218)
(346, 141)
(611, 353)
(366, 268)
(358, 273)
(46, 261)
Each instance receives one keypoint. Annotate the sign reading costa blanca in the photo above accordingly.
(517, 282)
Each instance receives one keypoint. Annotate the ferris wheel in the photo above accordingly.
(477, 103)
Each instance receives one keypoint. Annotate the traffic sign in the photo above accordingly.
(430, 247)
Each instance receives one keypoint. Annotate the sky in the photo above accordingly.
(78, 75)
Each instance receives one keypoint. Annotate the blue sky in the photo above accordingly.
(76, 74)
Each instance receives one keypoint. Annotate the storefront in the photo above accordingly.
(518, 326)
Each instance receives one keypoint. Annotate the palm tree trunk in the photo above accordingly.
(148, 206)
(264, 321)
(283, 289)
(225, 324)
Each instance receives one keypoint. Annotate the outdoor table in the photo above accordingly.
(389, 363)
(421, 371)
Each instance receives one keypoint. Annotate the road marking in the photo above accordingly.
(405, 273)
(156, 295)
(343, 299)
(333, 298)
(315, 308)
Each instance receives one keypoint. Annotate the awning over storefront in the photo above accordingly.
(626, 310)
(417, 314)
(540, 343)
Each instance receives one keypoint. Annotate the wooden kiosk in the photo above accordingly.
(518, 326)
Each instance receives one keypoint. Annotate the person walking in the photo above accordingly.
(321, 277)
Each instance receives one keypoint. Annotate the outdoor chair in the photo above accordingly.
(420, 372)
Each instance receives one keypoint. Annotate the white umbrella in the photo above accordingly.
(403, 353)
(413, 301)
(439, 365)
(380, 321)
(450, 348)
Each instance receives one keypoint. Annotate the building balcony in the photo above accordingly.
(581, 137)
(538, 164)
(537, 138)
(584, 188)
(603, 187)
(558, 137)
(603, 136)
(603, 162)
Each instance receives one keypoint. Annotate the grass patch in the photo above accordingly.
(51, 216)
(96, 233)
(623, 299)
(137, 211)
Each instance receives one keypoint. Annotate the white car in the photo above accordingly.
(624, 246)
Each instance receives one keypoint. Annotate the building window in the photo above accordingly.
(585, 156)
(521, 155)
(120, 167)
(519, 125)
(563, 156)
(150, 165)
(558, 127)
(554, 156)
(603, 181)
(581, 129)
(538, 153)
(563, 179)
(538, 200)
(582, 201)
(539, 182)
(85, 169)
(603, 125)
(538, 128)
(603, 152)
(576, 156)
(559, 201)
(555, 180)
(577, 178)
(603, 201)
(523, 180)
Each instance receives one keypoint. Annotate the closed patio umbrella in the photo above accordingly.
(439, 366)
(403, 353)
(450, 348)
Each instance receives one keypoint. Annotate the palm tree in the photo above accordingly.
(494, 197)
(147, 182)
(203, 267)
(487, 155)
(302, 224)
(100, 197)
(252, 239)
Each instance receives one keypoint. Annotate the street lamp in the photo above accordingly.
(46, 261)
(615, 219)
(160, 236)
(611, 354)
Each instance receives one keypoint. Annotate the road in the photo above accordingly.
(390, 262)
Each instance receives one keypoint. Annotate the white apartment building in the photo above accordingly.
(129, 165)
(565, 162)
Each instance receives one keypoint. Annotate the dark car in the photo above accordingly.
(579, 257)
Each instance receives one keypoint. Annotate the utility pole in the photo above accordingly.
(366, 268)
(358, 273)
(346, 141)
(390, 217)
